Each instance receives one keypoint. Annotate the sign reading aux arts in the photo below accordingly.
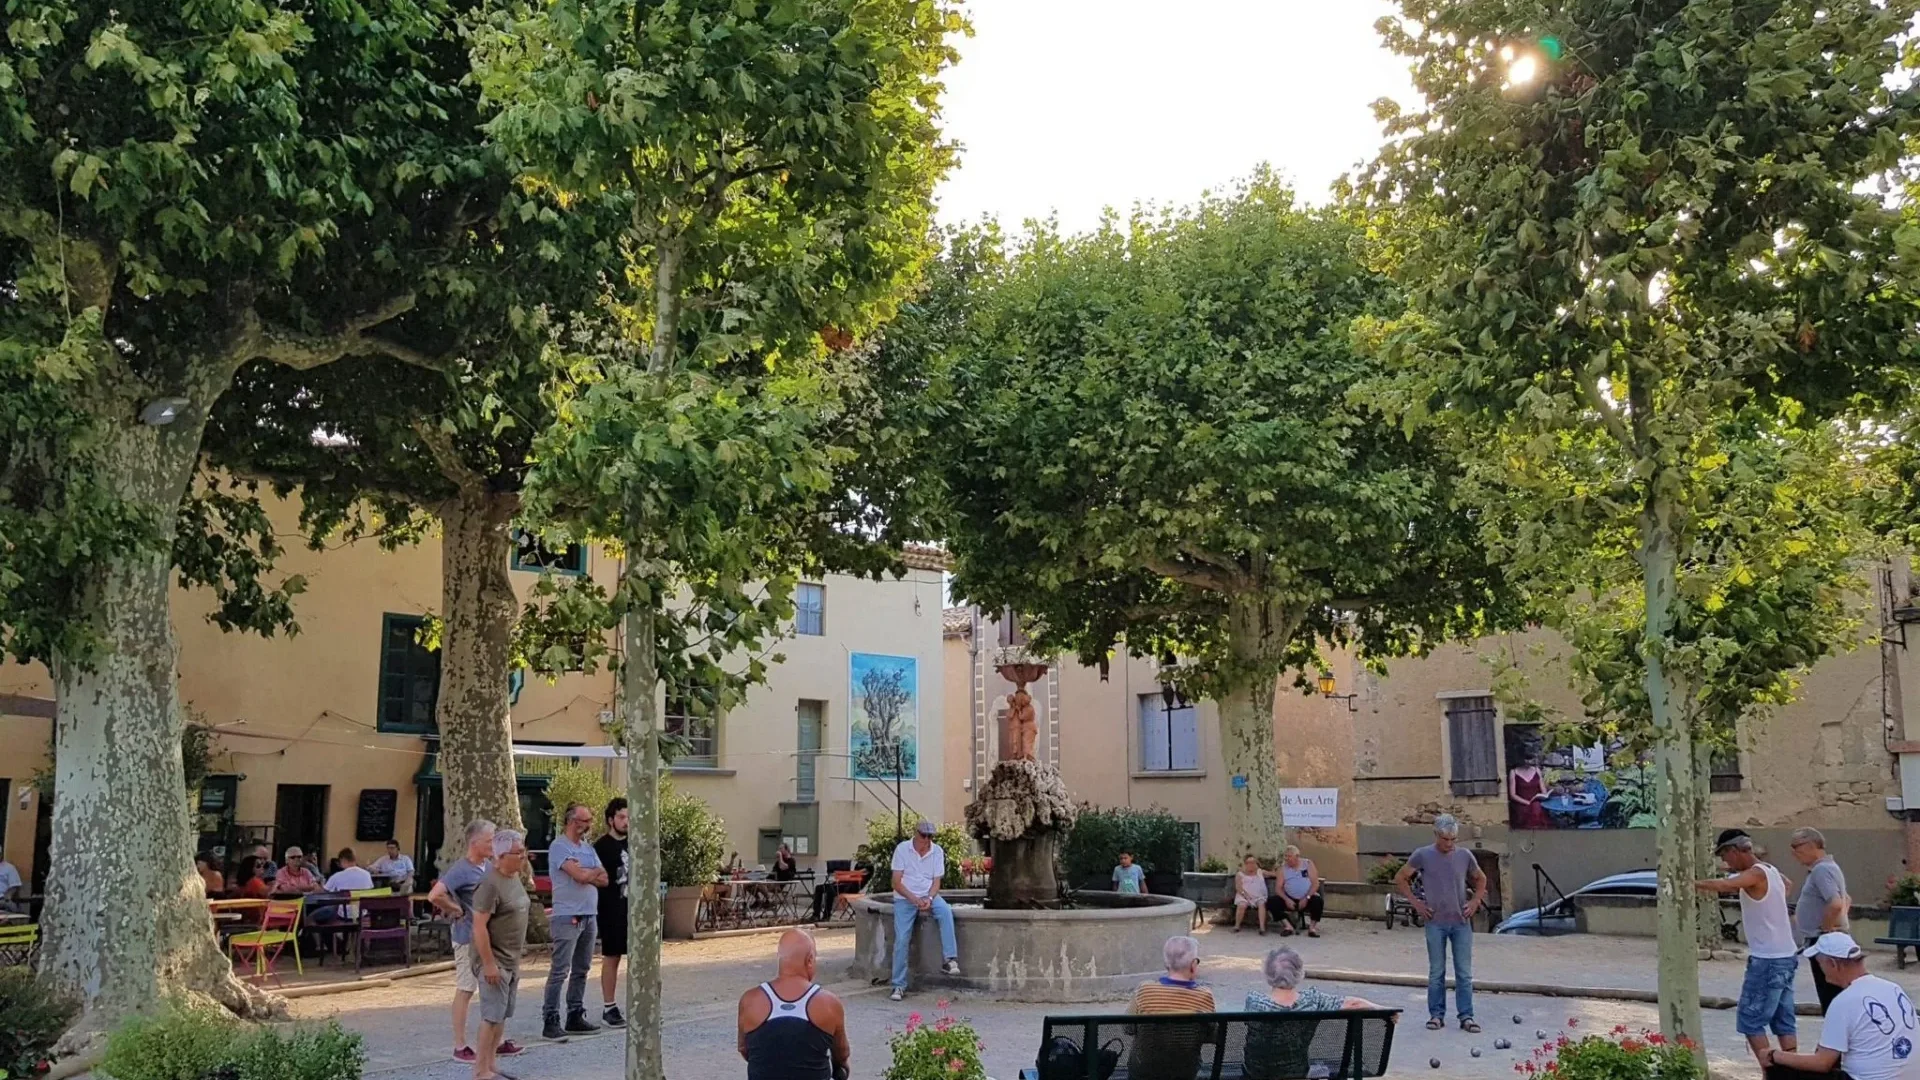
(1310, 808)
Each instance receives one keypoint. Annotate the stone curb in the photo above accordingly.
(1495, 986)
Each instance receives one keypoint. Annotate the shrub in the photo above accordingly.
(181, 1043)
(1903, 891)
(1616, 1056)
(1383, 872)
(946, 1049)
(1214, 864)
(1155, 837)
(327, 1052)
(882, 838)
(580, 784)
(35, 1016)
(693, 839)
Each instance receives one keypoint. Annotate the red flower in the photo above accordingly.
(1619, 1029)
(1573, 1021)
(1632, 1046)
(1688, 1044)
(1656, 1039)
(913, 1022)
(955, 1065)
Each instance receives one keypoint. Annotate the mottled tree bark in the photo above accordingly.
(478, 607)
(1258, 632)
(640, 715)
(126, 920)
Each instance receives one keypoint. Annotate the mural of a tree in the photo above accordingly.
(883, 696)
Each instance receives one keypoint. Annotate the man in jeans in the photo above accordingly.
(1454, 889)
(918, 866)
(1823, 904)
(1773, 957)
(577, 876)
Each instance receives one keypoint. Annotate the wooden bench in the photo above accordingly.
(1351, 1044)
(1903, 933)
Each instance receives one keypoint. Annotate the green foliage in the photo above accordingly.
(1382, 872)
(693, 839)
(946, 1049)
(1214, 864)
(180, 1043)
(883, 836)
(582, 784)
(1903, 891)
(1092, 849)
(1621, 1056)
(37, 1015)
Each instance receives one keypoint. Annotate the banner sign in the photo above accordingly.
(1309, 808)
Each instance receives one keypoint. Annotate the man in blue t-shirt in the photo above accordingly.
(577, 875)
(1127, 877)
(452, 896)
(1452, 890)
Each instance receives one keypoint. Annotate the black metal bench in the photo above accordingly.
(1351, 1044)
(1903, 933)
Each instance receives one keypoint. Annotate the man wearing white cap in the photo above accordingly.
(1870, 1027)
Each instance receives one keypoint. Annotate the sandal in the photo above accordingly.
(1435, 1024)
(1313, 931)
(1470, 1025)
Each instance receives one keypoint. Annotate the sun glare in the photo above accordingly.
(1523, 70)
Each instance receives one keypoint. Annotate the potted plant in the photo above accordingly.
(693, 846)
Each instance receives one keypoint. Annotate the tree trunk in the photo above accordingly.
(1674, 797)
(126, 919)
(1703, 860)
(639, 681)
(478, 607)
(1257, 636)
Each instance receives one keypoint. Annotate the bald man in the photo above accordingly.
(790, 1028)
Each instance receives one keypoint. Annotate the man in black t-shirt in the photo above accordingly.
(612, 850)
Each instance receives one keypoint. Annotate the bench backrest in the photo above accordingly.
(1350, 1044)
(1904, 922)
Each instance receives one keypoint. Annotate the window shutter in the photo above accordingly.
(1471, 744)
(1155, 751)
(1184, 737)
(1726, 771)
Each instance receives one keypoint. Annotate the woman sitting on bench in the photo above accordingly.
(1284, 970)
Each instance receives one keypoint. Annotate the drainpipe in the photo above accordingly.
(1901, 741)
(976, 691)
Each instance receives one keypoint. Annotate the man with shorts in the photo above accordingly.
(500, 907)
(1773, 956)
(612, 850)
(452, 896)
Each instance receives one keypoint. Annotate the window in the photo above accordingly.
(684, 722)
(1010, 632)
(409, 678)
(1726, 771)
(1169, 737)
(810, 609)
(1470, 740)
(812, 716)
(529, 553)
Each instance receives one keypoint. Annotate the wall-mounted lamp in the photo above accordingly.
(163, 411)
(1327, 688)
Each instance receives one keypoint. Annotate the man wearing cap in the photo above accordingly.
(1453, 888)
(1823, 903)
(1870, 1027)
(918, 866)
(1766, 994)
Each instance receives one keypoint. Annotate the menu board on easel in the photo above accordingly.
(374, 821)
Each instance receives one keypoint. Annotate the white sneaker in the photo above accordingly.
(951, 967)
(897, 994)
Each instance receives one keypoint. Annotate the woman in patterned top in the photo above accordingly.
(1284, 969)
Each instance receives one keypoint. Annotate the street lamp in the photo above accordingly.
(1327, 688)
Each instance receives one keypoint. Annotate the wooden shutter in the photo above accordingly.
(1471, 746)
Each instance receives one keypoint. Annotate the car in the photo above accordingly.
(1558, 917)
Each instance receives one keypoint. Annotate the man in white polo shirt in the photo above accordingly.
(1870, 1027)
(918, 866)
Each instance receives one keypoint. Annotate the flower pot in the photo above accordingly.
(679, 911)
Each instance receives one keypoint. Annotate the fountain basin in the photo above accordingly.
(1099, 950)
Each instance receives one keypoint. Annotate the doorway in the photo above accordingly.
(300, 819)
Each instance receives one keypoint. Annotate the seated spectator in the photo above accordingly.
(351, 876)
(296, 876)
(1179, 990)
(784, 866)
(919, 865)
(13, 891)
(247, 882)
(214, 880)
(1284, 970)
(397, 868)
(264, 866)
(1250, 891)
(1868, 1032)
(1297, 903)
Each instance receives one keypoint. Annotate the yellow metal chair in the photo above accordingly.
(279, 926)
(18, 943)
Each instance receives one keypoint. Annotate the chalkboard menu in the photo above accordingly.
(375, 819)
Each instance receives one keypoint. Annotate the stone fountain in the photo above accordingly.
(1019, 815)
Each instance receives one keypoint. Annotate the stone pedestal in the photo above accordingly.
(1018, 816)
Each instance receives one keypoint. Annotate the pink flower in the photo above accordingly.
(913, 1022)
(956, 1065)
(1619, 1029)
(1573, 1021)
(943, 1023)
(942, 1004)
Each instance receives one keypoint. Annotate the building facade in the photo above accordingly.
(326, 739)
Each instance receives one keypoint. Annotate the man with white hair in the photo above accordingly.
(1766, 993)
(1454, 889)
(1179, 990)
(1823, 904)
(1869, 1030)
(500, 907)
(918, 866)
(452, 896)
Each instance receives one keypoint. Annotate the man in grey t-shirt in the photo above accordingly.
(1453, 889)
(577, 876)
(1822, 906)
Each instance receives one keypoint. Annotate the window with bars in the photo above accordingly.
(684, 721)
(1474, 761)
(530, 553)
(1726, 771)
(810, 609)
(409, 678)
(1169, 738)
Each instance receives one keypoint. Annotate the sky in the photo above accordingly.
(1069, 106)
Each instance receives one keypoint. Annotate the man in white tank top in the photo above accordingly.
(1766, 995)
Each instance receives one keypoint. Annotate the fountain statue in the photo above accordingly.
(1021, 812)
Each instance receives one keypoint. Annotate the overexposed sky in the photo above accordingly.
(1068, 106)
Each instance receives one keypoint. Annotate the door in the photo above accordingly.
(42, 845)
(811, 714)
(429, 831)
(300, 819)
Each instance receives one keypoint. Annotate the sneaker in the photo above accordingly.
(552, 1031)
(507, 1049)
(951, 966)
(578, 1024)
(464, 1053)
(611, 1017)
(897, 995)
